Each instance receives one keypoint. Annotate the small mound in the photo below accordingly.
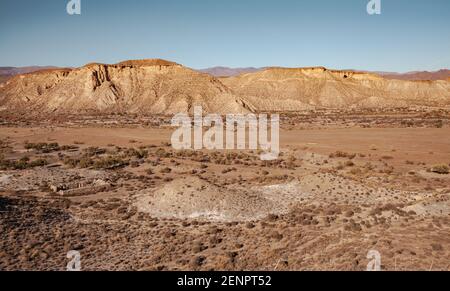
(193, 198)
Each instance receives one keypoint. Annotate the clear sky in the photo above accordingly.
(409, 34)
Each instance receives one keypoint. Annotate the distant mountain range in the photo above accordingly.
(411, 76)
(8, 72)
(418, 76)
(444, 74)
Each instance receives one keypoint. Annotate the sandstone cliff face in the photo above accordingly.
(280, 89)
(162, 87)
(148, 86)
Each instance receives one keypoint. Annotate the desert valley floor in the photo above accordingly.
(113, 188)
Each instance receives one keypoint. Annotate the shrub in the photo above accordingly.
(85, 162)
(166, 170)
(38, 163)
(356, 171)
(68, 147)
(71, 162)
(140, 154)
(43, 147)
(349, 164)
(94, 151)
(441, 169)
(341, 154)
(21, 164)
(109, 163)
(339, 167)
(161, 153)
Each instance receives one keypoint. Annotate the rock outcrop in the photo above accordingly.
(145, 86)
(284, 89)
(161, 87)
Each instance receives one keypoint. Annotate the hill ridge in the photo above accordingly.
(156, 86)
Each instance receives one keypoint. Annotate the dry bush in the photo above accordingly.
(22, 164)
(110, 162)
(68, 148)
(340, 166)
(349, 164)
(162, 153)
(71, 162)
(94, 151)
(137, 153)
(341, 154)
(355, 171)
(42, 147)
(165, 170)
(85, 162)
(441, 169)
(38, 163)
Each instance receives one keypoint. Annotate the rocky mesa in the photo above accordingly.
(286, 89)
(144, 86)
(157, 86)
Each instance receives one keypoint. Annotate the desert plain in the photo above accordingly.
(87, 165)
(126, 200)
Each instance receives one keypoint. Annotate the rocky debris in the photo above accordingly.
(193, 198)
(81, 188)
(5, 179)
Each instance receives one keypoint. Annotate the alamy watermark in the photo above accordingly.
(241, 132)
(74, 265)
(74, 7)
(374, 7)
(375, 261)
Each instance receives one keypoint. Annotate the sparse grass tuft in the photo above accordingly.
(42, 147)
(22, 164)
(441, 169)
(341, 154)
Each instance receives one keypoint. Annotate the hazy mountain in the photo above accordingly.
(438, 75)
(8, 72)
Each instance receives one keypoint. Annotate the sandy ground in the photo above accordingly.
(334, 195)
(412, 143)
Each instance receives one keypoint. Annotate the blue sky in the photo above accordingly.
(409, 34)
